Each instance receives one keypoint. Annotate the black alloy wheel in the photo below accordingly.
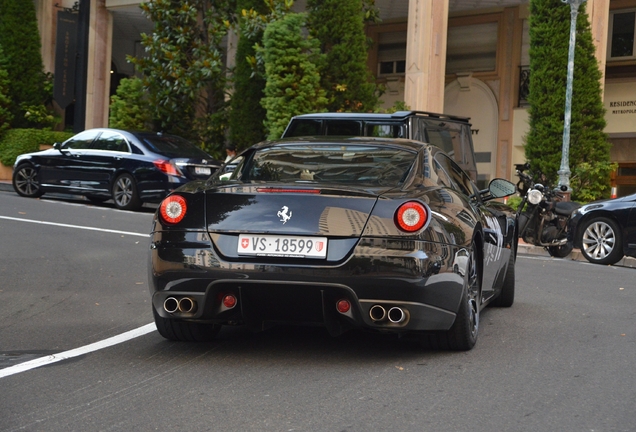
(26, 182)
(601, 241)
(462, 336)
(125, 193)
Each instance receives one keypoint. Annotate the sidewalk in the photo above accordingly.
(524, 249)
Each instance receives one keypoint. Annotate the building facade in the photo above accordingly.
(460, 57)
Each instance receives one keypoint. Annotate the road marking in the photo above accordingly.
(75, 226)
(54, 358)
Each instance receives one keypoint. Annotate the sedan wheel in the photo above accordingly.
(125, 193)
(601, 242)
(26, 182)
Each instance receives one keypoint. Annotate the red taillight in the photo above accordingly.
(229, 301)
(173, 209)
(167, 168)
(411, 216)
(343, 306)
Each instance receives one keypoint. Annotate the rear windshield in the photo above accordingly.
(172, 147)
(345, 164)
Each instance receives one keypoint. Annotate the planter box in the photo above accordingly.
(5, 172)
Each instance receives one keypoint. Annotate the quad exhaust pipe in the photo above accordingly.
(395, 315)
(184, 304)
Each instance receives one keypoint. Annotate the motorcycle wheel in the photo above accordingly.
(560, 251)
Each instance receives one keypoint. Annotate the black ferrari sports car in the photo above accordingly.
(605, 230)
(388, 235)
(129, 167)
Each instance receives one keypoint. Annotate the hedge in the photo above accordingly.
(15, 142)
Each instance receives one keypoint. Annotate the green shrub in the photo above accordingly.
(129, 107)
(15, 142)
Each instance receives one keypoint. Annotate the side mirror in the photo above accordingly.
(57, 145)
(499, 188)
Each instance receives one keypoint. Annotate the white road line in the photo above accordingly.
(75, 226)
(43, 361)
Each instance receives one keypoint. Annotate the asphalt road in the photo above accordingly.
(72, 275)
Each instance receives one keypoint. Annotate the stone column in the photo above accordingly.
(99, 65)
(598, 14)
(426, 55)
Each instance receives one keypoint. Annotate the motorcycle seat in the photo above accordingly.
(565, 208)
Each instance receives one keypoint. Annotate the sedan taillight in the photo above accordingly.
(173, 209)
(411, 216)
(167, 167)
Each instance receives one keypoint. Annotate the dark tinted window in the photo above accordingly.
(80, 141)
(344, 128)
(339, 163)
(460, 181)
(111, 141)
(385, 130)
(173, 146)
(304, 128)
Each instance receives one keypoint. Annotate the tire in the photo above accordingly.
(560, 251)
(25, 181)
(601, 241)
(507, 295)
(184, 331)
(125, 193)
(462, 335)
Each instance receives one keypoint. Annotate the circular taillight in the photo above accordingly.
(173, 209)
(343, 306)
(229, 301)
(411, 216)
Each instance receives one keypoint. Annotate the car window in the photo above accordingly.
(172, 146)
(385, 130)
(304, 128)
(82, 140)
(458, 178)
(344, 128)
(111, 141)
(348, 164)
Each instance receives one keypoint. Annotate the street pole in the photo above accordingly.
(564, 171)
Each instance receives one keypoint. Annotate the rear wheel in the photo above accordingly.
(26, 182)
(601, 241)
(462, 336)
(507, 296)
(185, 331)
(560, 251)
(125, 193)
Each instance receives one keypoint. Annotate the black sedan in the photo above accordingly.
(605, 231)
(388, 235)
(129, 167)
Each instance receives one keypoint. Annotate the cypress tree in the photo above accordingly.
(292, 78)
(339, 26)
(589, 147)
(5, 102)
(247, 115)
(20, 39)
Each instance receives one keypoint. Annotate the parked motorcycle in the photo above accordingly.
(543, 214)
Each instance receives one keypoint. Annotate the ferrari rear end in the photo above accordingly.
(335, 234)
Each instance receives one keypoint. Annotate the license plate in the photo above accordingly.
(202, 170)
(282, 246)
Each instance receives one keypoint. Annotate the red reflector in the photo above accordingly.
(166, 167)
(343, 306)
(173, 209)
(411, 216)
(279, 190)
(229, 301)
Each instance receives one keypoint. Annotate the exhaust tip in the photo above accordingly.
(377, 313)
(396, 315)
(187, 305)
(171, 305)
